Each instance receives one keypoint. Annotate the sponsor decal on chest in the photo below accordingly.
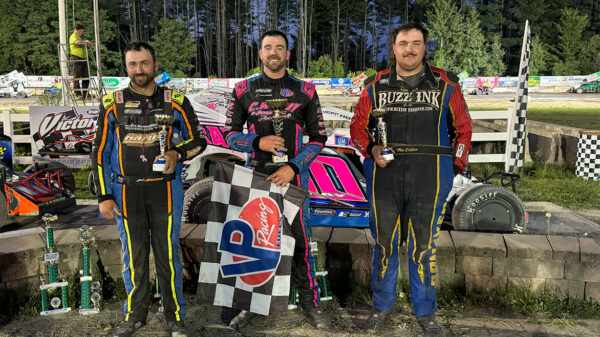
(140, 139)
(286, 92)
(423, 97)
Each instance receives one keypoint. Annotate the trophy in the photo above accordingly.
(51, 258)
(277, 105)
(386, 153)
(164, 121)
(87, 283)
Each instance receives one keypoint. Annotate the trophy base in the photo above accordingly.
(159, 165)
(90, 311)
(55, 311)
(387, 154)
(272, 167)
(282, 159)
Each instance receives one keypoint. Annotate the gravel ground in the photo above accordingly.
(204, 321)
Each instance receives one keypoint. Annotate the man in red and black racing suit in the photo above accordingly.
(429, 131)
(302, 115)
(147, 205)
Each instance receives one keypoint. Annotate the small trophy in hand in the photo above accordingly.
(277, 105)
(386, 153)
(164, 121)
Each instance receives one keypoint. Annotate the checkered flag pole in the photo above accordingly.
(516, 125)
(248, 246)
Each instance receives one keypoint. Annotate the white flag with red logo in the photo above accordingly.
(248, 246)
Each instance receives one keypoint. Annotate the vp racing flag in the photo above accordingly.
(248, 245)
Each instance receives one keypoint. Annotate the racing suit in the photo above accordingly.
(429, 130)
(303, 114)
(151, 203)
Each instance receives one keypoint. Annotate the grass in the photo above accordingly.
(520, 300)
(552, 183)
(584, 118)
(81, 183)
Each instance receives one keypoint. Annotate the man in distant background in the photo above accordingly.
(79, 61)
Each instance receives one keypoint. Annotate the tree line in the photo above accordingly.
(328, 38)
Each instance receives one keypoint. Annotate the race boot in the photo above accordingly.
(177, 328)
(376, 319)
(316, 317)
(430, 326)
(127, 329)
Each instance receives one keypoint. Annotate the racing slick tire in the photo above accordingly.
(3, 209)
(488, 208)
(196, 201)
(91, 184)
(479, 92)
(578, 90)
(83, 147)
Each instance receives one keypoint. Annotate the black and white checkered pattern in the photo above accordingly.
(588, 156)
(515, 149)
(233, 187)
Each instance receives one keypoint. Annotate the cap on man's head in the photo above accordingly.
(79, 26)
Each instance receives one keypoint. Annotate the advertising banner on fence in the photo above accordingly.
(533, 81)
(341, 83)
(469, 82)
(320, 81)
(493, 81)
(218, 82)
(63, 134)
(508, 82)
(200, 83)
(42, 81)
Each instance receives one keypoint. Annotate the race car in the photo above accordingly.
(591, 86)
(46, 187)
(70, 144)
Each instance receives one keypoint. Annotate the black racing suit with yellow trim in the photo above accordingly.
(302, 115)
(429, 131)
(151, 203)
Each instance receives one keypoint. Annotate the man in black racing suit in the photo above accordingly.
(429, 132)
(146, 204)
(302, 114)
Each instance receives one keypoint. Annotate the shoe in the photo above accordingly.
(228, 314)
(376, 319)
(316, 317)
(430, 326)
(128, 329)
(177, 328)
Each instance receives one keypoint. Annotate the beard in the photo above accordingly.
(142, 80)
(275, 67)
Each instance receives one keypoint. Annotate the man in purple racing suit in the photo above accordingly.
(301, 115)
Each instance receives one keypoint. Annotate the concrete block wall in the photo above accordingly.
(557, 264)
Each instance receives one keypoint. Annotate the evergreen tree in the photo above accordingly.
(174, 48)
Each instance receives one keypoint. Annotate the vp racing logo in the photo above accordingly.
(250, 246)
(60, 122)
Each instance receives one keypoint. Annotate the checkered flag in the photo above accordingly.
(516, 126)
(588, 155)
(248, 246)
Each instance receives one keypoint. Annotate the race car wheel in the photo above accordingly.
(479, 92)
(91, 184)
(579, 90)
(3, 209)
(196, 201)
(488, 208)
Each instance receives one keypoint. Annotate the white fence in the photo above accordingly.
(8, 118)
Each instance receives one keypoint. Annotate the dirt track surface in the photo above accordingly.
(204, 321)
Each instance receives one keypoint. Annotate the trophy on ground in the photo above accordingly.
(386, 153)
(51, 258)
(88, 285)
(164, 121)
(277, 105)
